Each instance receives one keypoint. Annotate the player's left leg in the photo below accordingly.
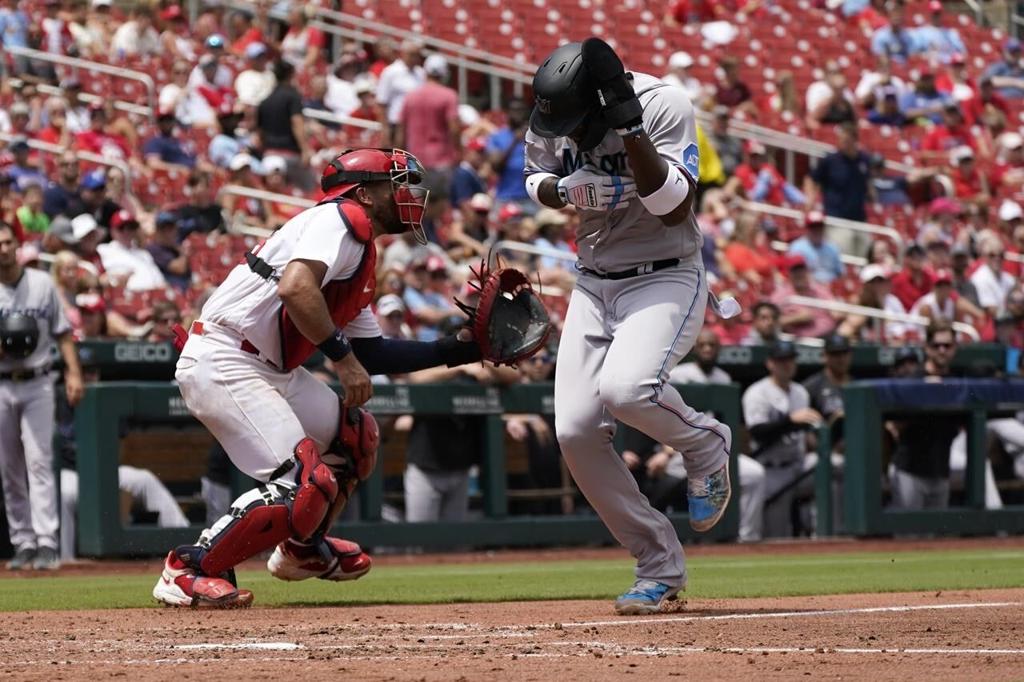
(14, 479)
(37, 426)
(655, 321)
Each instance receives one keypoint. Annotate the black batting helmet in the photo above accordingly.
(19, 335)
(564, 97)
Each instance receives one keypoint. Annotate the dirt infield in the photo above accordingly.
(977, 635)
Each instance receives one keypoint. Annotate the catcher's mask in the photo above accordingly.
(354, 167)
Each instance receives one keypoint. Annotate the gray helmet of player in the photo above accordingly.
(565, 101)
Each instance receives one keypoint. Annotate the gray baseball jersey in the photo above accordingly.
(36, 296)
(609, 241)
(766, 402)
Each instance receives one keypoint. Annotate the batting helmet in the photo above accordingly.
(354, 167)
(565, 100)
(19, 335)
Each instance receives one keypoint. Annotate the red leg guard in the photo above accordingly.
(262, 518)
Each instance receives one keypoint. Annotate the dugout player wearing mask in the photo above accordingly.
(31, 321)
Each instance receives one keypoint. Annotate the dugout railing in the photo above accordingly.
(110, 410)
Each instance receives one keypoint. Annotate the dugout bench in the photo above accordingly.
(110, 409)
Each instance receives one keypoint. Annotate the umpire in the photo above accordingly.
(31, 320)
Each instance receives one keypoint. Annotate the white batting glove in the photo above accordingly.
(593, 190)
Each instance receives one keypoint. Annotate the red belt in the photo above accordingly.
(197, 329)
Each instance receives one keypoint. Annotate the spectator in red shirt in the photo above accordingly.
(428, 125)
(800, 320)
(969, 182)
(913, 281)
(987, 98)
(1009, 167)
(98, 141)
(749, 254)
(950, 134)
(759, 180)
(56, 131)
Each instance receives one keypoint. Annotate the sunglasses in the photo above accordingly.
(941, 346)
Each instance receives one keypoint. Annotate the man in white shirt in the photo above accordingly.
(136, 36)
(255, 83)
(124, 259)
(398, 79)
(992, 282)
(679, 74)
(341, 97)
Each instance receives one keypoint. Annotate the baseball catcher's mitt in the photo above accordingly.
(510, 322)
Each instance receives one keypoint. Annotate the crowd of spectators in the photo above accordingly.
(136, 242)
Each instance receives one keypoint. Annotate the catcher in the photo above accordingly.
(310, 286)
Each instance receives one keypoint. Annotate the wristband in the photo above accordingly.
(665, 199)
(533, 182)
(630, 131)
(335, 346)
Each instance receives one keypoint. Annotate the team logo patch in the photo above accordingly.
(543, 105)
(584, 195)
(691, 160)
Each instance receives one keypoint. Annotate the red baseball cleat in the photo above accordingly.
(293, 560)
(180, 585)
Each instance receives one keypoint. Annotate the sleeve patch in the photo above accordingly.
(691, 160)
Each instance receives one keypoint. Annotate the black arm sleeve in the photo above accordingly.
(398, 356)
(767, 433)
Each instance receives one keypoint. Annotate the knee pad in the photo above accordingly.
(268, 514)
(352, 455)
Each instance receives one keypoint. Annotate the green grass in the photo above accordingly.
(711, 577)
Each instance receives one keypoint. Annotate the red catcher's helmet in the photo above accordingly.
(354, 167)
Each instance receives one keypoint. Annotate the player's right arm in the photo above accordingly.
(299, 291)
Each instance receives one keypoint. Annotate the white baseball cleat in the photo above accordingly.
(293, 560)
(180, 585)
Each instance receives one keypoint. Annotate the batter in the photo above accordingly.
(622, 150)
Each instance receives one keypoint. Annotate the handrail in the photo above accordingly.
(83, 155)
(845, 258)
(249, 192)
(850, 308)
(331, 117)
(89, 65)
(130, 107)
(522, 247)
(830, 221)
(51, 258)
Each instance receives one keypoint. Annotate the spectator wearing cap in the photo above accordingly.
(960, 263)
(397, 80)
(887, 188)
(951, 133)
(1009, 167)
(506, 151)
(777, 413)
(427, 296)
(247, 210)
(469, 177)
(957, 80)
(166, 151)
(171, 257)
(78, 114)
(970, 183)
(23, 169)
(256, 82)
(990, 279)
(428, 124)
(875, 83)
(125, 262)
(876, 292)
(906, 363)
(942, 303)
(469, 235)
(209, 72)
(200, 213)
(302, 45)
(99, 140)
(765, 329)
(92, 199)
(227, 143)
(841, 177)
(799, 320)
(986, 102)
(925, 102)
(14, 32)
(391, 313)
(33, 219)
(941, 42)
(1007, 74)
(821, 255)
(679, 75)
(135, 37)
(895, 39)
(341, 97)
(189, 106)
(86, 235)
(551, 227)
(914, 280)
(759, 180)
(275, 179)
(1011, 217)
(728, 147)
(282, 129)
(20, 120)
(943, 214)
(174, 37)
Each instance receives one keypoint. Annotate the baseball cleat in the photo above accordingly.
(46, 559)
(22, 559)
(645, 597)
(330, 559)
(180, 585)
(708, 497)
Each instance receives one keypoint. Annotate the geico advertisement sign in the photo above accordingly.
(142, 352)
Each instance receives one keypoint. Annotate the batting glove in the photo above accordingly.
(619, 104)
(595, 191)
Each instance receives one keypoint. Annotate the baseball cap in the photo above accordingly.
(90, 303)
(28, 253)
(782, 350)
(165, 114)
(60, 227)
(1011, 140)
(481, 202)
(934, 6)
(171, 13)
(914, 249)
(94, 180)
(906, 354)
(82, 225)
(363, 86)
(19, 144)
(166, 218)
(436, 264)
(795, 261)
(102, 3)
(122, 219)
(814, 218)
(944, 206)
(755, 148)
(215, 42)
(952, 107)
(872, 272)
(477, 144)
(943, 277)
(1010, 210)
(510, 211)
(1012, 45)
(207, 60)
(274, 164)
(390, 303)
(240, 161)
(680, 60)
(255, 50)
(19, 108)
(837, 343)
(550, 216)
(436, 65)
(958, 59)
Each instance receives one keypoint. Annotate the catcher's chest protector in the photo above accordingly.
(345, 297)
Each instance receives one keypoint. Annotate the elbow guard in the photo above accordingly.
(673, 192)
